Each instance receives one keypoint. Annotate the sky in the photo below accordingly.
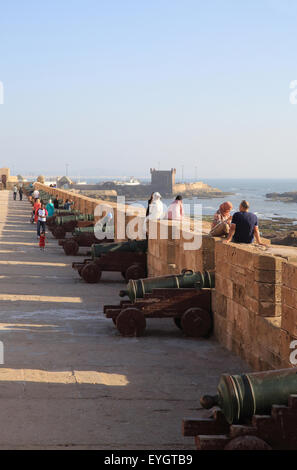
(115, 87)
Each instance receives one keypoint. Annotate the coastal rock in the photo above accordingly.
(283, 197)
(289, 240)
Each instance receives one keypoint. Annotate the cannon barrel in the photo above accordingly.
(132, 245)
(60, 220)
(242, 396)
(136, 289)
(80, 230)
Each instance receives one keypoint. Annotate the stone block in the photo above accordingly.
(273, 277)
(224, 286)
(219, 303)
(289, 273)
(289, 319)
(238, 293)
(267, 292)
(269, 309)
(268, 262)
(289, 297)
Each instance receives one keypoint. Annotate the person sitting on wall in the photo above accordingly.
(156, 208)
(68, 204)
(176, 209)
(244, 226)
(222, 220)
(156, 211)
(148, 204)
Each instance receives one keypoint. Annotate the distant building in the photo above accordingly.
(7, 181)
(163, 180)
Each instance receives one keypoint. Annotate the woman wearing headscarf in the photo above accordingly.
(176, 209)
(155, 210)
(222, 220)
(148, 204)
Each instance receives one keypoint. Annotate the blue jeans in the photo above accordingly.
(40, 225)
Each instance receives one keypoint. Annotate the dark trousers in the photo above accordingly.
(14, 196)
(40, 227)
(21, 196)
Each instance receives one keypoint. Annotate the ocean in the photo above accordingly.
(253, 190)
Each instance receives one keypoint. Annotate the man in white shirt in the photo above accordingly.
(36, 194)
(42, 214)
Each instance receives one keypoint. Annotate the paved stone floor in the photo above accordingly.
(69, 380)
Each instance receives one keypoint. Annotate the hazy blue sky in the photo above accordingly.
(118, 86)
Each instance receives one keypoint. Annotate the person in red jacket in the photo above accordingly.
(42, 241)
(36, 206)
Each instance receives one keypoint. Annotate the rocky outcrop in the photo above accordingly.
(288, 240)
(284, 197)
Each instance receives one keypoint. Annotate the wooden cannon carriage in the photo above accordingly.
(81, 237)
(129, 258)
(186, 298)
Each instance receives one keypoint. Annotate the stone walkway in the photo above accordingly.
(69, 380)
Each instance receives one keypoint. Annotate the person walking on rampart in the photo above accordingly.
(56, 202)
(21, 193)
(36, 206)
(42, 241)
(15, 190)
(36, 194)
(41, 214)
(50, 208)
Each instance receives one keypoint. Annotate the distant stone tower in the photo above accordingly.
(163, 181)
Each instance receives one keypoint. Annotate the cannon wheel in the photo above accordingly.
(80, 269)
(177, 321)
(247, 443)
(71, 247)
(131, 322)
(91, 273)
(196, 322)
(135, 271)
(59, 232)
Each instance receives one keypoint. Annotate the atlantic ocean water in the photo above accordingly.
(253, 190)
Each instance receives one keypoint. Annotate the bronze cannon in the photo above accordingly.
(185, 297)
(128, 258)
(252, 411)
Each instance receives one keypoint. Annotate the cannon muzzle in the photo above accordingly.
(242, 396)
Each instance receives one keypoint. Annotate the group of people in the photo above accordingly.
(155, 208)
(41, 212)
(39, 215)
(241, 227)
(17, 190)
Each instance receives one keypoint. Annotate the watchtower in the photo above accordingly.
(163, 181)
